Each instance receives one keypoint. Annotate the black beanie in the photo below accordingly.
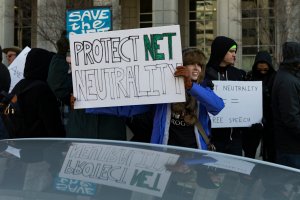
(219, 47)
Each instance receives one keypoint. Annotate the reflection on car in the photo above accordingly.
(103, 169)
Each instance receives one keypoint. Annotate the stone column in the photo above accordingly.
(165, 12)
(230, 23)
(6, 24)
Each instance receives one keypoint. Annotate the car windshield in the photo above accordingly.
(101, 169)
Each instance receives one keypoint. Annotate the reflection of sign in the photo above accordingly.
(16, 68)
(89, 21)
(243, 103)
(75, 186)
(127, 67)
(123, 167)
(231, 164)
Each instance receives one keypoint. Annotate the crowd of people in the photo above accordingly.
(48, 104)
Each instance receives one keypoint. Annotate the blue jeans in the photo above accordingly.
(3, 132)
(291, 160)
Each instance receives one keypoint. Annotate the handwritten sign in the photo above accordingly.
(127, 67)
(122, 167)
(16, 68)
(92, 20)
(243, 103)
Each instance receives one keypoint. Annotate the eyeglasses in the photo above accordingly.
(11, 55)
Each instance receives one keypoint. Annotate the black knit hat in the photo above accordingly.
(219, 47)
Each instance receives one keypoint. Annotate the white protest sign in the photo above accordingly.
(243, 103)
(122, 167)
(16, 68)
(126, 67)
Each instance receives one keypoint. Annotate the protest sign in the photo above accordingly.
(122, 167)
(127, 67)
(92, 20)
(243, 103)
(16, 68)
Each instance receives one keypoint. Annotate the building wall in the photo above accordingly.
(6, 24)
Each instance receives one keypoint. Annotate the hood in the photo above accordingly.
(219, 48)
(62, 44)
(37, 64)
(291, 53)
(263, 57)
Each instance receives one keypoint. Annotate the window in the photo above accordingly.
(22, 37)
(145, 13)
(202, 23)
(258, 29)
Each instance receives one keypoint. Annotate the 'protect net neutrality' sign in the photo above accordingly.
(127, 67)
(122, 167)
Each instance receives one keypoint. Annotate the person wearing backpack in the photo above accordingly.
(38, 104)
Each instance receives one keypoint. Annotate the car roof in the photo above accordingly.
(53, 168)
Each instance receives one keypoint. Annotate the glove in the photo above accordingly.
(257, 127)
(184, 72)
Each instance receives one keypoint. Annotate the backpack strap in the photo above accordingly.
(14, 98)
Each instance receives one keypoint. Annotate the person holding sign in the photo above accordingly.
(262, 70)
(221, 67)
(78, 123)
(175, 123)
(286, 106)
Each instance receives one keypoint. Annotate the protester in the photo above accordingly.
(262, 70)
(11, 53)
(4, 87)
(286, 106)
(80, 124)
(221, 67)
(175, 123)
(38, 104)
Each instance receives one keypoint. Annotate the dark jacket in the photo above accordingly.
(4, 78)
(286, 101)
(252, 137)
(81, 124)
(38, 104)
(4, 75)
(219, 49)
(267, 82)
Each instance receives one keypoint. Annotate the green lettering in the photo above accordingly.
(170, 44)
(139, 179)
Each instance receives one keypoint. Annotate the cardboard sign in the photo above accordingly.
(92, 20)
(16, 68)
(243, 103)
(127, 67)
(122, 167)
